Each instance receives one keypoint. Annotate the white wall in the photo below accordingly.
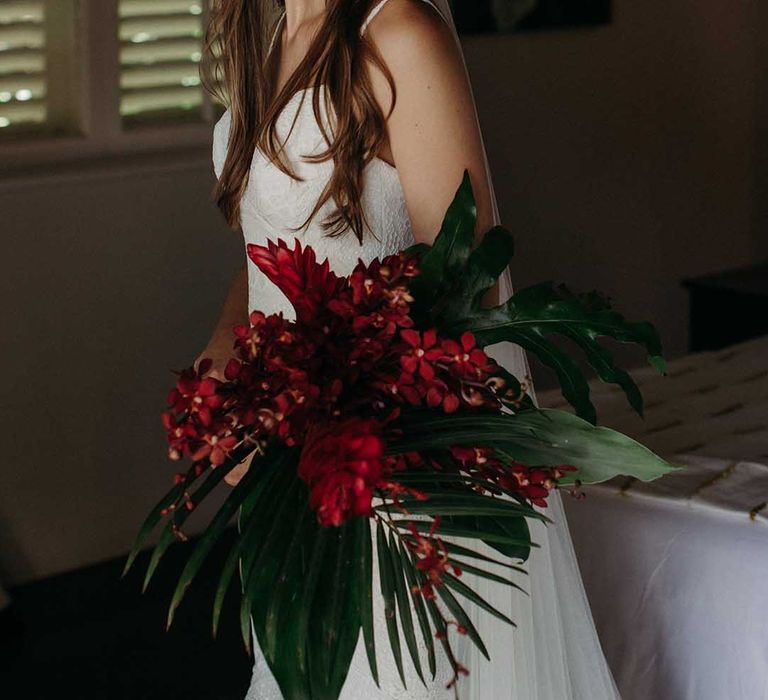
(623, 157)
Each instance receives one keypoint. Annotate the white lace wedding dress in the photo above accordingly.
(554, 653)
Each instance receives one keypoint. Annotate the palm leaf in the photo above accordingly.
(418, 604)
(366, 597)
(463, 589)
(387, 582)
(462, 618)
(403, 605)
(152, 520)
(249, 487)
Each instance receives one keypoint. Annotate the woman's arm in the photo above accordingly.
(234, 312)
(433, 130)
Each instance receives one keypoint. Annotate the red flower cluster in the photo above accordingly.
(532, 483)
(342, 464)
(334, 379)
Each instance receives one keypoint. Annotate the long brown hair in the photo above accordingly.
(336, 64)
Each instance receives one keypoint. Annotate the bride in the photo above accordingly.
(350, 125)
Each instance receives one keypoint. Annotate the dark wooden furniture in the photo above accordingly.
(728, 307)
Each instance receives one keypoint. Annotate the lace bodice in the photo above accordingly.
(274, 203)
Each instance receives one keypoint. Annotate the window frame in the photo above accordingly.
(83, 99)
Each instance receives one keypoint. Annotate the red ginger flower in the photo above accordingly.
(342, 463)
(307, 284)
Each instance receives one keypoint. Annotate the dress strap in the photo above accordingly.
(380, 6)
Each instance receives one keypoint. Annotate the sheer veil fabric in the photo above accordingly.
(554, 653)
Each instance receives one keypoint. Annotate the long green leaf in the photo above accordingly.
(254, 478)
(462, 618)
(463, 589)
(418, 604)
(482, 573)
(336, 617)
(467, 532)
(178, 518)
(403, 605)
(366, 597)
(244, 539)
(155, 515)
(540, 437)
(387, 576)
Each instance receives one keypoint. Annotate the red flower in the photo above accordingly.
(423, 351)
(307, 284)
(465, 358)
(342, 464)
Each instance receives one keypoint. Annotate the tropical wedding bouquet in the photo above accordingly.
(381, 427)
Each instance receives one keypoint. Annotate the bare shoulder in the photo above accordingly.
(409, 33)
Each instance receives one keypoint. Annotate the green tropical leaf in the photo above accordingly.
(154, 517)
(482, 573)
(336, 615)
(468, 503)
(449, 252)
(464, 590)
(468, 531)
(253, 481)
(403, 605)
(179, 517)
(418, 604)
(387, 579)
(534, 313)
(461, 616)
(461, 551)
(366, 597)
(541, 437)
(513, 528)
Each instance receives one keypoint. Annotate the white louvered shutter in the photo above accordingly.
(22, 63)
(160, 51)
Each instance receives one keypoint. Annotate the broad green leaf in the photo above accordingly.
(418, 605)
(534, 313)
(539, 437)
(387, 580)
(403, 605)
(449, 252)
(514, 528)
(484, 266)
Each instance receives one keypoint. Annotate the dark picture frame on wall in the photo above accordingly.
(504, 16)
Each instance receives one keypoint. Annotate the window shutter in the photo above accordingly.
(160, 51)
(22, 63)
